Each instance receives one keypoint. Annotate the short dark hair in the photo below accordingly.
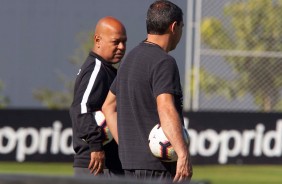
(160, 15)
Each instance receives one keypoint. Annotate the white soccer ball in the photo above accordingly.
(101, 121)
(160, 145)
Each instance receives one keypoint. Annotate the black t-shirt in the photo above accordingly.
(146, 72)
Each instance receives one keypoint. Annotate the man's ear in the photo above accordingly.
(97, 40)
(173, 26)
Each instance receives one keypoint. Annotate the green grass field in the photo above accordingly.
(217, 174)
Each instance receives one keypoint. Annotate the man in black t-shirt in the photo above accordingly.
(147, 91)
(91, 88)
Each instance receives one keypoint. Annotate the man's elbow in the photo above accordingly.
(104, 108)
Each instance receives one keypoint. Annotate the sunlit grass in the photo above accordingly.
(40, 168)
(239, 174)
(215, 174)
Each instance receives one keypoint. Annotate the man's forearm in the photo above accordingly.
(110, 113)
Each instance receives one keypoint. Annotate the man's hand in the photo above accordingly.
(184, 170)
(97, 162)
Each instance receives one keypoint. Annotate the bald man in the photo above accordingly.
(92, 84)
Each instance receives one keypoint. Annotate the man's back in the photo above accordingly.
(144, 74)
(147, 91)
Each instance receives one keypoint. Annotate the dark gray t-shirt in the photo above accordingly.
(146, 72)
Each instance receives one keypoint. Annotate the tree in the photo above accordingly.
(254, 26)
(4, 101)
(54, 99)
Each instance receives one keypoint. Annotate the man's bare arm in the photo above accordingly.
(172, 127)
(110, 112)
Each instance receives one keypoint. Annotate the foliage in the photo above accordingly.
(54, 99)
(4, 100)
(85, 42)
(214, 84)
(254, 26)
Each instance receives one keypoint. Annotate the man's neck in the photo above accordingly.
(161, 40)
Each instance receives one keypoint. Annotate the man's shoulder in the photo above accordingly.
(148, 51)
(90, 61)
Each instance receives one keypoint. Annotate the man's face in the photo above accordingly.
(113, 44)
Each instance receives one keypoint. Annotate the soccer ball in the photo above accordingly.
(101, 121)
(160, 145)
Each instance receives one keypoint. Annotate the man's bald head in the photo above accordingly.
(110, 39)
(109, 23)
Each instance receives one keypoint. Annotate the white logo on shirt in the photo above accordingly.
(78, 72)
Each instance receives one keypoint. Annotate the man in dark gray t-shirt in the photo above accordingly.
(147, 91)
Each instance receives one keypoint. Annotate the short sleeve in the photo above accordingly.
(113, 87)
(165, 78)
